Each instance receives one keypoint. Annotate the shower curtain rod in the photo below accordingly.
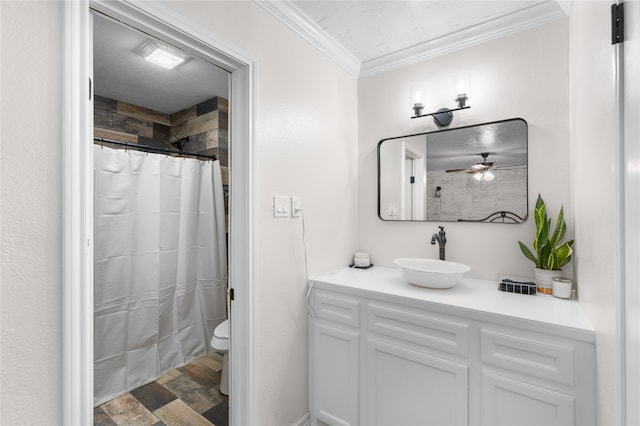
(153, 148)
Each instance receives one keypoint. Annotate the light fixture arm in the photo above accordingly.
(441, 117)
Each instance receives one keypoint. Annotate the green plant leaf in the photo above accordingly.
(552, 261)
(543, 256)
(528, 254)
(542, 228)
(564, 253)
(546, 252)
(560, 229)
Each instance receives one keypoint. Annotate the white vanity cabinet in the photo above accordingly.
(384, 352)
(415, 369)
(335, 358)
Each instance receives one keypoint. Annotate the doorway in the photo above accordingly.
(413, 184)
(152, 19)
(161, 174)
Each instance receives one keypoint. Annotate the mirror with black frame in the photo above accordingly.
(467, 174)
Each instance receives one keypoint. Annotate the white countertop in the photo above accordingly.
(470, 293)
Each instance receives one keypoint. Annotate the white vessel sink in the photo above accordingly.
(431, 273)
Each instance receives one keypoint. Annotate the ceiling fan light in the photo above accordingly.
(488, 175)
(477, 176)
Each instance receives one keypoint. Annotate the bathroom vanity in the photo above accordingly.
(385, 352)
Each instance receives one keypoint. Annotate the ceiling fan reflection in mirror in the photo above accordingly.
(480, 171)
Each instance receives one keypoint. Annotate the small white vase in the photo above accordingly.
(544, 279)
(562, 288)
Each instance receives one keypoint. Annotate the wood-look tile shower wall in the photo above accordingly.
(206, 125)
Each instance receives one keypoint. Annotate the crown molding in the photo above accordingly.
(518, 21)
(293, 17)
(565, 5)
(538, 14)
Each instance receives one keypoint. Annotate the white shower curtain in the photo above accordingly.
(160, 265)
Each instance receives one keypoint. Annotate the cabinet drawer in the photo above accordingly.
(528, 356)
(338, 308)
(511, 402)
(425, 329)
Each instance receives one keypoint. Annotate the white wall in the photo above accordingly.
(595, 170)
(30, 175)
(306, 144)
(522, 75)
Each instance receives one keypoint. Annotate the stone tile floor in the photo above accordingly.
(189, 395)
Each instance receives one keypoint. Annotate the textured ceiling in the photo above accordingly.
(372, 29)
(372, 37)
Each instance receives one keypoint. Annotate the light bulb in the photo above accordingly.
(462, 83)
(417, 98)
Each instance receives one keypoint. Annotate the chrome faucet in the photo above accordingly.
(441, 238)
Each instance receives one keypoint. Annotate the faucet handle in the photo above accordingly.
(441, 228)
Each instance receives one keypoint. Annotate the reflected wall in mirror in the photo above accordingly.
(474, 174)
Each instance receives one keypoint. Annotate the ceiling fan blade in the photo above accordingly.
(457, 170)
(509, 166)
(476, 168)
(480, 167)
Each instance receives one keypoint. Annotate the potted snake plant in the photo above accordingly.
(550, 253)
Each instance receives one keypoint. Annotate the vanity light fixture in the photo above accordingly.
(417, 98)
(462, 83)
(444, 116)
(162, 55)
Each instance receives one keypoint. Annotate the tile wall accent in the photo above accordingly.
(204, 127)
(507, 186)
(207, 127)
(130, 123)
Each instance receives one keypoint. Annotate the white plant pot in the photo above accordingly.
(562, 288)
(544, 279)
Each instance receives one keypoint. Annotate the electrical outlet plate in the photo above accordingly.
(296, 207)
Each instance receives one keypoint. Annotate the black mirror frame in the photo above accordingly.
(498, 216)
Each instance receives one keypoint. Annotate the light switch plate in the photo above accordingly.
(281, 206)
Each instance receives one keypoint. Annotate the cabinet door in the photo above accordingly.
(510, 402)
(405, 387)
(334, 378)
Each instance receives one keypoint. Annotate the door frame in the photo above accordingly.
(417, 161)
(77, 246)
(630, 298)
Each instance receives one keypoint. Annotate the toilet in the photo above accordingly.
(220, 343)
